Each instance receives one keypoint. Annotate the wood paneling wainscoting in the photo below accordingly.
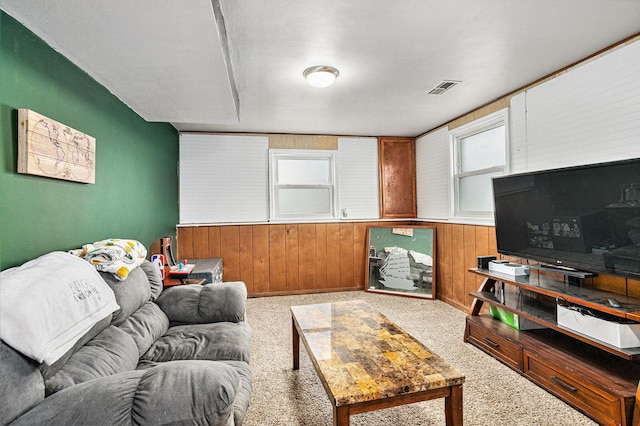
(323, 257)
(457, 249)
(284, 259)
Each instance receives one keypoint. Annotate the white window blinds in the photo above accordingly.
(432, 175)
(223, 178)
(587, 115)
(358, 178)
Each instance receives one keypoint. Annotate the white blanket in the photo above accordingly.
(49, 303)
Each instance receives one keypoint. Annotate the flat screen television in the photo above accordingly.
(585, 217)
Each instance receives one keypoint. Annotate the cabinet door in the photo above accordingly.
(397, 165)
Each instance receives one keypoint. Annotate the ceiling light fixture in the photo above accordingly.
(321, 75)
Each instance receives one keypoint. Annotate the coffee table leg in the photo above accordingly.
(296, 345)
(453, 406)
(341, 416)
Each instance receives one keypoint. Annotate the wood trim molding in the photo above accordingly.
(286, 141)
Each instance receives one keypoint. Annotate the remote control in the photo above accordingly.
(613, 302)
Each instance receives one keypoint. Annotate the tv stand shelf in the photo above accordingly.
(596, 378)
(545, 314)
(548, 285)
(564, 270)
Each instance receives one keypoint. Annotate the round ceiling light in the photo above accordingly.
(321, 75)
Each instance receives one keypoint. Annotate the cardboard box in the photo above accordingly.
(620, 335)
(514, 320)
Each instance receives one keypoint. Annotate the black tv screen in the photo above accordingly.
(585, 217)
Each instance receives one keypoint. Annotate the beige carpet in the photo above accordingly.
(493, 393)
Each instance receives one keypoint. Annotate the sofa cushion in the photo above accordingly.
(243, 395)
(110, 352)
(155, 279)
(205, 303)
(206, 389)
(174, 393)
(21, 385)
(130, 294)
(243, 391)
(49, 370)
(216, 341)
(145, 325)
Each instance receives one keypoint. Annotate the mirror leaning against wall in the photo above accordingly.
(401, 260)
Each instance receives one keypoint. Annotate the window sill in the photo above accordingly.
(461, 220)
(293, 221)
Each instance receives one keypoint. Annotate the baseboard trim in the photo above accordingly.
(308, 291)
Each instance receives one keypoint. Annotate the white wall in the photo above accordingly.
(588, 114)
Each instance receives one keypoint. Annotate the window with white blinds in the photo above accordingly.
(432, 175)
(454, 170)
(479, 154)
(358, 178)
(223, 178)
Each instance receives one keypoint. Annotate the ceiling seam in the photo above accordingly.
(224, 43)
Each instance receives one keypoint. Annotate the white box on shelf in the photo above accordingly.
(505, 267)
(617, 334)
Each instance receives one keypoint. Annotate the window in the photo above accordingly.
(479, 153)
(303, 184)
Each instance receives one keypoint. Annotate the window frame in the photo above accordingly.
(302, 154)
(488, 122)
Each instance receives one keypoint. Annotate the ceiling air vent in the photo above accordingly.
(443, 87)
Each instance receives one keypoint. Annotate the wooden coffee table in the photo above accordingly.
(365, 362)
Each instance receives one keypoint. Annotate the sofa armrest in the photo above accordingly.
(198, 304)
(169, 393)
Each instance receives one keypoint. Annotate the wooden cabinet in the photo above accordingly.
(590, 397)
(598, 379)
(487, 337)
(599, 384)
(397, 168)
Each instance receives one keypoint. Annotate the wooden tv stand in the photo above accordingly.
(596, 378)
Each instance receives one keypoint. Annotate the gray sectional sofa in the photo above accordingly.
(178, 356)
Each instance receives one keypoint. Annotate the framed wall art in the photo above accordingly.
(51, 149)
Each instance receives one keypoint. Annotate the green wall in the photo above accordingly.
(136, 190)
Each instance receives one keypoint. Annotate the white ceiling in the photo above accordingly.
(170, 60)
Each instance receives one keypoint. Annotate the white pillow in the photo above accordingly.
(49, 303)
